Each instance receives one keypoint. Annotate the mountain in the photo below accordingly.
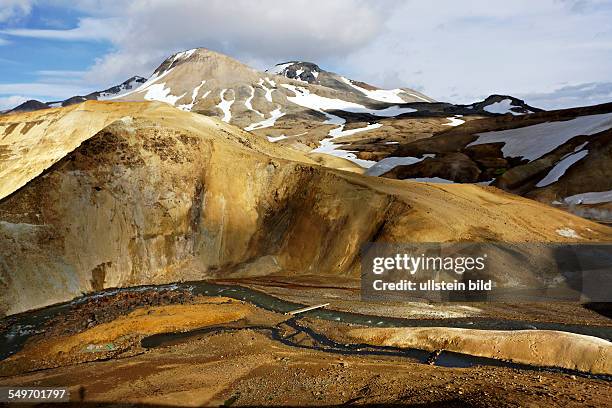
(28, 106)
(399, 133)
(109, 93)
(503, 105)
(107, 194)
(309, 72)
(298, 104)
(558, 157)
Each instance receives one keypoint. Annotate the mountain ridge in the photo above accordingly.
(113, 91)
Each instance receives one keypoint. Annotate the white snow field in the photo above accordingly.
(382, 95)
(561, 167)
(533, 142)
(124, 90)
(268, 94)
(159, 92)
(152, 80)
(278, 69)
(594, 197)
(305, 98)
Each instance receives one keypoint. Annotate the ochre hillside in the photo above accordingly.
(109, 194)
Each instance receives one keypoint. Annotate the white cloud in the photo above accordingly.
(144, 32)
(111, 29)
(572, 95)
(9, 102)
(467, 50)
(11, 10)
(48, 90)
(452, 51)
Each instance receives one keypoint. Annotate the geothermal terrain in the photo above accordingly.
(155, 235)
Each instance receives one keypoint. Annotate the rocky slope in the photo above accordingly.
(558, 157)
(107, 194)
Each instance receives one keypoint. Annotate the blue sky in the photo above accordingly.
(553, 53)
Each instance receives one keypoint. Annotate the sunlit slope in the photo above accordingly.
(142, 193)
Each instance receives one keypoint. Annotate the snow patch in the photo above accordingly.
(275, 114)
(152, 80)
(567, 233)
(194, 94)
(560, 168)
(418, 97)
(327, 146)
(183, 54)
(123, 90)
(389, 163)
(225, 106)
(532, 142)
(455, 121)
(279, 68)
(382, 95)
(268, 94)
(159, 92)
(502, 107)
(305, 98)
(594, 197)
(339, 131)
(248, 102)
(276, 139)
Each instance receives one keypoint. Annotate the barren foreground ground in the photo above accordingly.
(174, 348)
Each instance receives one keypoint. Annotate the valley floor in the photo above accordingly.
(174, 347)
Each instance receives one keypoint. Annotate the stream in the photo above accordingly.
(22, 326)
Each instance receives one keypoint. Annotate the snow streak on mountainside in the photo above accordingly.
(296, 103)
(532, 142)
(553, 157)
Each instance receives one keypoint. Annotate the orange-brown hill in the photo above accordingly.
(109, 194)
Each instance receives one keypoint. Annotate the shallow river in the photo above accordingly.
(24, 325)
